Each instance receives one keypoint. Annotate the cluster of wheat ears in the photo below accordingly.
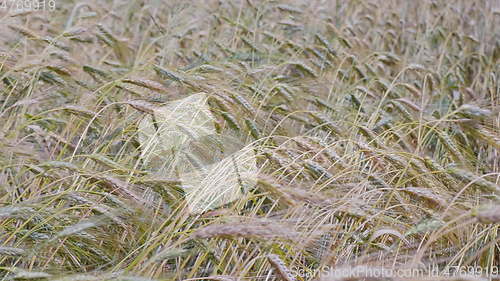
(375, 125)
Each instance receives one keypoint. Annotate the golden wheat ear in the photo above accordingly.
(279, 266)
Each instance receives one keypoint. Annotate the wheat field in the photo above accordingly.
(328, 135)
